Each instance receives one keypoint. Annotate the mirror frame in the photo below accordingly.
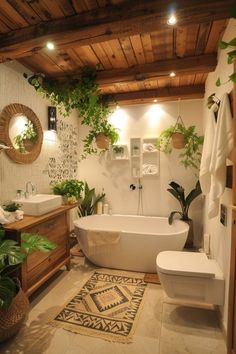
(7, 113)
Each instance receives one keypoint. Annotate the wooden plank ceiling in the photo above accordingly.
(130, 41)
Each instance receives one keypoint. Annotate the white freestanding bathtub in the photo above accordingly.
(128, 242)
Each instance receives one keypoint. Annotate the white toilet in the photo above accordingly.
(191, 276)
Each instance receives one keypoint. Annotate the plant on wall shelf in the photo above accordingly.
(83, 95)
(27, 138)
(191, 155)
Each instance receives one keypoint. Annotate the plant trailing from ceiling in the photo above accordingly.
(231, 54)
(191, 155)
(82, 94)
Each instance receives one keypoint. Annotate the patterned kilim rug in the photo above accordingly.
(107, 306)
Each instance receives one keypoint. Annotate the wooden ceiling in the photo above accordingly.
(130, 41)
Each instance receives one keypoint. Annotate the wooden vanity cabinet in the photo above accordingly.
(40, 266)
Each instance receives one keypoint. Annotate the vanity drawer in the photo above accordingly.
(37, 272)
(50, 227)
(36, 258)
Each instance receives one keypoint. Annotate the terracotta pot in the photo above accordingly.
(190, 237)
(28, 145)
(12, 318)
(103, 141)
(178, 140)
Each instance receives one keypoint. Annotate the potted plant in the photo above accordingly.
(11, 206)
(118, 150)
(89, 202)
(83, 95)
(69, 189)
(14, 304)
(191, 155)
(26, 140)
(185, 201)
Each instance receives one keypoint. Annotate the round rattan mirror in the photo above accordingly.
(20, 129)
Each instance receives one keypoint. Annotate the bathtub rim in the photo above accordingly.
(133, 232)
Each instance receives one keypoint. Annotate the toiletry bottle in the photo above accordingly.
(99, 208)
(105, 208)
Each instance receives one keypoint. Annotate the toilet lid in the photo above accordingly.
(185, 263)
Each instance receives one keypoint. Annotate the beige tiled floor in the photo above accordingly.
(163, 328)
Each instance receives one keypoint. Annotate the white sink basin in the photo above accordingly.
(39, 204)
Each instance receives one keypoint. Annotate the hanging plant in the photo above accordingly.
(191, 155)
(83, 95)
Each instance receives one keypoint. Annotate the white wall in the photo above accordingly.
(15, 89)
(115, 177)
(220, 235)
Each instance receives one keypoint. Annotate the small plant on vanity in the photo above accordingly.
(13, 302)
(11, 206)
(70, 189)
(185, 201)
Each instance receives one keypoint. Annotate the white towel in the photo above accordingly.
(222, 146)
(205, 174)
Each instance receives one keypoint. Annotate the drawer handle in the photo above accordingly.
(51, 225)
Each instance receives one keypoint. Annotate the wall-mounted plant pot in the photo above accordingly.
(103, 141)
(178, 140)
(28, 145)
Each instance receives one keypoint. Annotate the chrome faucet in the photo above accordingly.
(33, 189)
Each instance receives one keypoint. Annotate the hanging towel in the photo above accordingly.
(222, 146)
(205, 174)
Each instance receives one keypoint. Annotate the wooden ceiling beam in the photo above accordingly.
(114, 21)
(160, 94)
(159, 69)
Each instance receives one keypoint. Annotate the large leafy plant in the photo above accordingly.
(191, 154)
(89, 203)
(178, 192)
(82, 94)
(12, 255)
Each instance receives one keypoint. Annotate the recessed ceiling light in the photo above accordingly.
(172, 74)
(155, 100)
(50, 45)
(172, 20)
(117, 106)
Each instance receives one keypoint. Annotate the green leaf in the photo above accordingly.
(10, 253)
(218, 82)
(233, 77)
(233, 42)
(34, 242)
(223, 45)
(171, 216)
(7, 292)
(193, 194)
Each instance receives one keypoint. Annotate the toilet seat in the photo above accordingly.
(188, 264)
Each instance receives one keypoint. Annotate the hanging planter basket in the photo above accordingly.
(178, 141)
(28, 145)
(178, 138)
(103, 141)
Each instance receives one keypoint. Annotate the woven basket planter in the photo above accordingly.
(12, 318)
(102, 141)
(28, 145)
(178, 140)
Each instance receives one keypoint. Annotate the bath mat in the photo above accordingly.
(151, 278)
(107, 306)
